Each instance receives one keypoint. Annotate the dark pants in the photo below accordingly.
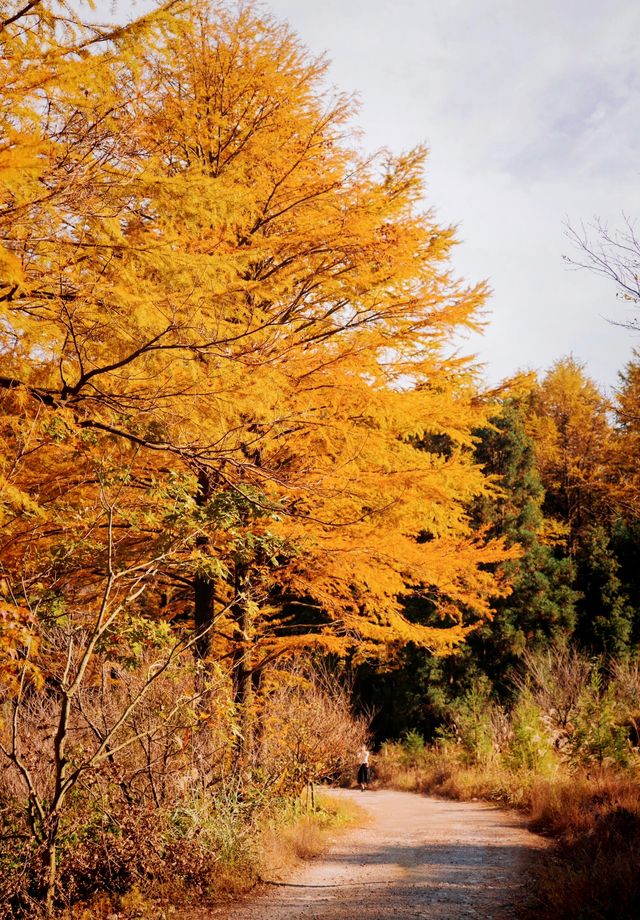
(363, 774)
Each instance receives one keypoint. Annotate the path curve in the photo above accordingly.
(417, 857)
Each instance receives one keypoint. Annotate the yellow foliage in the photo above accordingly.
(220, 300)
(18, 648)
(625, 445)
(572, 434)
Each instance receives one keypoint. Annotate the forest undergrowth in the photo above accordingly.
(179, 812)
(270, 846)
(565, 753)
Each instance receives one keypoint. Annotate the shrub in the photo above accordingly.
(309, 732)
(163, 811)
(413, 748)
(471, 723)
(530, 747)
(598, 735)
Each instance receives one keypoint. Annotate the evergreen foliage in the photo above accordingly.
(563, 500)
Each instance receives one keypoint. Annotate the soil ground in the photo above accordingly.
(415, 857)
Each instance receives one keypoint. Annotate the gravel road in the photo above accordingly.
(417, 857)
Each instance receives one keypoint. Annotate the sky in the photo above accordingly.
(531, 114)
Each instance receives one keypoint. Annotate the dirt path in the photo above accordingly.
(417, 857)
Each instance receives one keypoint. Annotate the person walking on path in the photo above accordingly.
(363, 769)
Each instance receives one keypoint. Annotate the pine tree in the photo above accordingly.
(605, 616)
(540, 607)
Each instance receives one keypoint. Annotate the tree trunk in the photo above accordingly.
(203, 588)
(203, 594)
(51, 870)
(243, 666)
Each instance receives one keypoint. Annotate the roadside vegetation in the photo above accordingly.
(565, 753)
(166, 816)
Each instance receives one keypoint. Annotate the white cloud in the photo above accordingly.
(532, 113)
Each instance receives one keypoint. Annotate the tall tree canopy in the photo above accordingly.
(229, 333)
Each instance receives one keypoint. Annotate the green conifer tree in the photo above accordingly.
(541, 606)
(605, 616)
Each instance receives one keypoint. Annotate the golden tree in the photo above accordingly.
(572, 434)
(625, 450)
(222, 297)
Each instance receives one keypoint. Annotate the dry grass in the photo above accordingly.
(588, 885)
(306, 835)
(594, 873)
(571, 807)
(439, 772)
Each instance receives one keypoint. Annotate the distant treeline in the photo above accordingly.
(566, 464)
